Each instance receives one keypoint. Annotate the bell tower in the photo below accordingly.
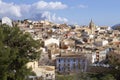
(92, 27)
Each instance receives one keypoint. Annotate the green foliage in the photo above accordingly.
(114, 61)
(74, 76)
(85, 76)
(108, 77)
(101, 77)
(64, 77)
(16, 49)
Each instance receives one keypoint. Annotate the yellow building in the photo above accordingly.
(44, 72)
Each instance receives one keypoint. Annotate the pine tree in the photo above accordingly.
(16, 49)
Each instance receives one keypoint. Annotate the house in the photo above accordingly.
(100, 43)
(51, 40)
(71, 63)
(44, 72)
(100, 55)
(53, 51)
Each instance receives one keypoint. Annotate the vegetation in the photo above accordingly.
(101, 77)
(64, 77)
(114, 61)
(84, 76)
(16, 49)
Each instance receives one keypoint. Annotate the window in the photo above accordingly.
(68, 68)
(46, 75)
(59, 69)
(74, 66)
(68, 65)
(64, 60)
(68, 60)
(59, 60)
(59, 65)
(74, 59)
(78, 65)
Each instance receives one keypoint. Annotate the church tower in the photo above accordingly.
(92, 27)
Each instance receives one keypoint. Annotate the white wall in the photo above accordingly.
(52, 40)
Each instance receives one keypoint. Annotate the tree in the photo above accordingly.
(108, 77)
(16, 49)
(64, 77)
(101, 76)
(114, 61)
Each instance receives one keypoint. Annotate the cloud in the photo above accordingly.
(49, 5)
(46, 15)
(58, 18)
(61, 19)
(82, 6)
(53, 17)
(10, 9)
(37, 10)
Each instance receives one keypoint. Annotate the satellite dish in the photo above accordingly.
(7, 21)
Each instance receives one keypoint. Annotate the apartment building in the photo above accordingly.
(71, 63)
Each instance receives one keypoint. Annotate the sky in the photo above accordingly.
(102, 12)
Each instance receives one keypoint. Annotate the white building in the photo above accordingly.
(7, 21)
(52, 40)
